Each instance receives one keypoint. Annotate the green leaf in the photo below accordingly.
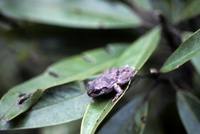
(191, 10)
(69, 128)
(70, 69)
(62, 104)
(170, 8)
(185, 52)
(72, 13)
(139, 52)
(140, 119)
(154, 124)
(129, 119)
(95, 113)
(196, 63)
(135, 55)
(177, 10)
(196, 59)
(189, 109)
(145, 4)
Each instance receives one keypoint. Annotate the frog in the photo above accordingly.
(111, 80)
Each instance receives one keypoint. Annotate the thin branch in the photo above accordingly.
(171, 34)
(174, 39)
(149, 18)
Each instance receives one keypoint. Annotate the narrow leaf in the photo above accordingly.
(95, 113)
(70, 69)
(140, 51)
(185, 52)
(72, 13)
(195, 60)
(98, 110)
(196, 63)
(189, 109)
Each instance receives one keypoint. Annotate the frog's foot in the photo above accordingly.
(119, 91)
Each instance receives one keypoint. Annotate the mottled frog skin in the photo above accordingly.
(110, 80)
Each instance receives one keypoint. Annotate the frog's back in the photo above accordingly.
(125, 75)
(108, 79)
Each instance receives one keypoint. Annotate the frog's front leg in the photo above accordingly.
(119, 91)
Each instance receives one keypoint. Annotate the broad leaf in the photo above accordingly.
(59, 105)
(189, 109)
(129, 119)
(135, 56)
(72, 13)
(70, 69)
(185, 52)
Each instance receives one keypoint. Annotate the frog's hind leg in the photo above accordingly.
(119, 91)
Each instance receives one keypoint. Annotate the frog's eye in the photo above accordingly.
(97, 91)
(93, 92)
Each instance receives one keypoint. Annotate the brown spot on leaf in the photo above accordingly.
(22, 98)
(53, 74)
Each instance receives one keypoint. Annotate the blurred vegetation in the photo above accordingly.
(36, 34)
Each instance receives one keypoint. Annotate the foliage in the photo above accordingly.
(148, 35)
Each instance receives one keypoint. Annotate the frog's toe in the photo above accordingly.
(116, 97)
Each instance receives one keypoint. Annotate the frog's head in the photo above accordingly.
(95, 91)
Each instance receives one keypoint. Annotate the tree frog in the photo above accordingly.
(110, 80)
